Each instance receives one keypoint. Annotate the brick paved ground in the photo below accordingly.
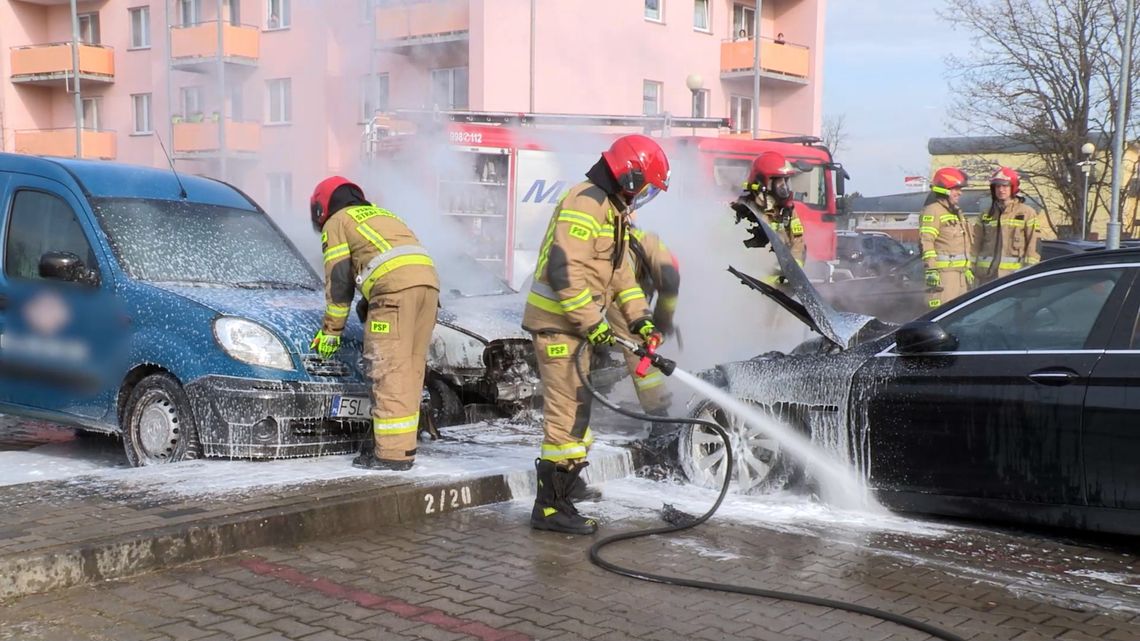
(482, 574)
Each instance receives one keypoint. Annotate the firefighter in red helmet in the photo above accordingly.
(370, 249)
(946, 239)
(1005, 239)
(768, 185)
(583, 269)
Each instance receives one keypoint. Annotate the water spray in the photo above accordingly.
(680, 521)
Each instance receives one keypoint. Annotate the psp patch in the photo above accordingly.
(579, 232)
(380, 327)
(558, 350)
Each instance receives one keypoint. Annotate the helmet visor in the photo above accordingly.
(649, 193)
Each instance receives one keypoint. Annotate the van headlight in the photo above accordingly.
(251, 343)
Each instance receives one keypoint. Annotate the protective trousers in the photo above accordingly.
(397, 335)
(652, 392)
(953, 285)
(565, 401)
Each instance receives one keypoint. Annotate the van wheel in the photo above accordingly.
(445, 406)
(158, 424)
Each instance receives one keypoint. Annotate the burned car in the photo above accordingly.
(1015, 402)
(481, 362)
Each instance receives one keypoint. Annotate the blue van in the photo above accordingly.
(169, 309)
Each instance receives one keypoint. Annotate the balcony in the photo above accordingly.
(61, 142)
(203, 139)
(409, 23)
(196, 47)
(50, 64)
(785, 62)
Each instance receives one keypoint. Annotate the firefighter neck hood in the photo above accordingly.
(600, 175)
(346, 196)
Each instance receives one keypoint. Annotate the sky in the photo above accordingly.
(885, 71)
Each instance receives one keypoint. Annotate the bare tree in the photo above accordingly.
(1043, 74)
(834, 133)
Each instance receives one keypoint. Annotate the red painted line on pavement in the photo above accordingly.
(372, 601)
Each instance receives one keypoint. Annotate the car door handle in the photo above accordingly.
(1059, 376)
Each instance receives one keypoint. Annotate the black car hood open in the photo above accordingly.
(841, 328)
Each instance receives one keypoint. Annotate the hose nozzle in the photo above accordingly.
(649, 356)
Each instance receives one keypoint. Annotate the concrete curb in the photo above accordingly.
(117, 557)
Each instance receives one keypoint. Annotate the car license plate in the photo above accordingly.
(351, 407)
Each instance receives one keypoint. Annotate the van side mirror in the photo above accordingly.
(68, 267)
(923, 337)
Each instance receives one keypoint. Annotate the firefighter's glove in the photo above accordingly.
(933, 279)
(648, 332)
(325, 344)
(600, 334)
(362, 310)
(969, 277)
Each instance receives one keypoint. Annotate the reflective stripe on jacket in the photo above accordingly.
(373, 250)
(945, 237)
(1006, 239)
(575, 276)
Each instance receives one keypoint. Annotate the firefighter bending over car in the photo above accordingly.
(373, 250)
(657, 273)
(945, 239)
(1005, 239)
(768, 184)
(583, 268)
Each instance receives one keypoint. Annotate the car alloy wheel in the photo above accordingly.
(756, 459)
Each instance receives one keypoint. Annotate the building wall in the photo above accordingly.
(582, 66)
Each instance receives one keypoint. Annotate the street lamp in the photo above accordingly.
(1086, 165)
(694, 82)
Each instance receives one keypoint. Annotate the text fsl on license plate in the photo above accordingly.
(351, 407)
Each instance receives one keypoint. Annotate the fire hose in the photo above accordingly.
(681, 521)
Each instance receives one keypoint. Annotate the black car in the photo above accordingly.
(871, 253)
(1017, 402)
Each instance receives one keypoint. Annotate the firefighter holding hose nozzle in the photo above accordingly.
(583, 268)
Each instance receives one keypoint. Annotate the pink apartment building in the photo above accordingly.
(273, 94)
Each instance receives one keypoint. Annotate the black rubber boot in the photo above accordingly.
(582, 492)
(553, 509)
(367, 460)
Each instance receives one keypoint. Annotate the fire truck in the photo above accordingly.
(496, 176)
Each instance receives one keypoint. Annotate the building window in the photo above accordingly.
(89, 28)
(140, 27)
(140, 103)
(373, 96)
(278, 14)
(191, 101)
(650, 98)
(449, 88)
(653, 10)
(235, 103)
(231, 12)
(701, 19)
(701, 103)
(188, 12)
(741, 114)
(280, 188)
(91, 113)
(743, 22)
(280, 101)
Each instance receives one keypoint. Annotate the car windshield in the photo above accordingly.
(461, 275)
(188, 242)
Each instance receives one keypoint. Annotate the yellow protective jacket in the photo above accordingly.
(657, 272)
(373, 250)
(582, 267)
(945, 238)
(1005, 239)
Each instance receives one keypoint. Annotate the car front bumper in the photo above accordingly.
(265, 419)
